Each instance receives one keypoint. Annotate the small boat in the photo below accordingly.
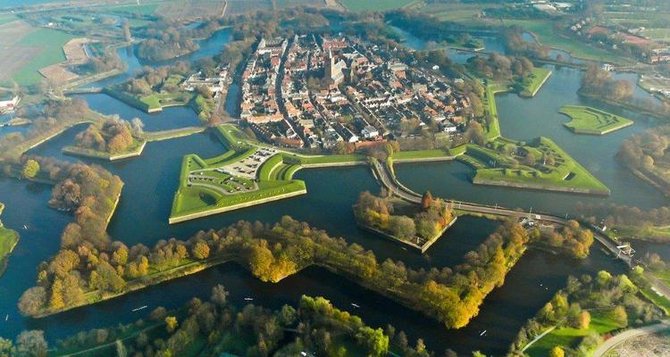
(248, 299)
(25, 227)
(139, 308)
(403, 248)
(6, 317)
(483, 333)
(355, 305)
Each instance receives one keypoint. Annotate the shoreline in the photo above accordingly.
(93, 154)
(539, 187)
(209, 212)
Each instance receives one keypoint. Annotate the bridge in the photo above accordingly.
(388, 180)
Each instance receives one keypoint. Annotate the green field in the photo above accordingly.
(377, 5)
(5, 18)
(533, 82)
(218, 190)
(51, 44)
(553, 168)
(587, 120)
(546, 34)
(8, 240)
(456, 11)
(570, 337)
(144, 9)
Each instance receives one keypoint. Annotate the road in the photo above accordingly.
(622, 337)
(389, 181)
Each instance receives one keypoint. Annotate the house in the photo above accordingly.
(370, 132)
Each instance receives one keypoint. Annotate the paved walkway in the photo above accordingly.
(622, 337)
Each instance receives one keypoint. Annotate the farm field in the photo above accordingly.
(587, 120)
(456, 12)
(379, 5)
(35, 49)
(190, 8)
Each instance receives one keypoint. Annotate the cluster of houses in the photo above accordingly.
(216, 84)
(316, 91)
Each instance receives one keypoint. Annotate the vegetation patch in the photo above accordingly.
(646, 155)
(418, 226)
(580, 315)
(245, 175)
(379, 5)
(587, 120)
(538, 165)
(532, 83)
(8, 240)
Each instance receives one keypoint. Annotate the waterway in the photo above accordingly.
(151, 180)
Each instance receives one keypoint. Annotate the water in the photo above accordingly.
(525, 119)
(491, 44)
(148, 193)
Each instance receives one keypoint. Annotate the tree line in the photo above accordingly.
(113, 136)
(271, 253)
(570, 238)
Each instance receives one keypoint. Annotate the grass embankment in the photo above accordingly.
(587, 120)
(533, 82)
(152, 103)
(493, 129)
(8, 240)
(132, 151)
(570, 337)
(210, 186)
(552, 168)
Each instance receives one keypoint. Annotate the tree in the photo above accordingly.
(171, 324)
(30, 169)
(200, 250)
(219, 295)
(31, 343)
(426, 200)
(556, 352)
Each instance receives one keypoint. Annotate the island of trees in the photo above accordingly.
(427, 223)
(646, 155)
(84, 272)
(113, 139)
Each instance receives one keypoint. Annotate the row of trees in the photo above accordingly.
(430, 219)
(614, 215)
(614, 298)
(214, 326)
(500, 67)
(114, 136)
(272, 253)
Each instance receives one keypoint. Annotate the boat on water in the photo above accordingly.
(139, 308)
(248, 299)
(483, 333)
(355, 305)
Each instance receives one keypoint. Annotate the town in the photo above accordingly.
(326, 92)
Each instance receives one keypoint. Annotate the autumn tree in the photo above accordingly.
(30, 169)
(171, 324)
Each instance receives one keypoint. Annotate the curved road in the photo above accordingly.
(622, 337)
(388, 180)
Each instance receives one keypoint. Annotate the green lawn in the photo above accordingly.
(376, 5)
(493, 129)
(273, 178)
(544, 30)
(459, 12)
(142, 9)
(587, 120)
(570, 337)
(5, 18)
(421, 154)
(8, 240)
(495, 167)
(533, 82)
(51, 44)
